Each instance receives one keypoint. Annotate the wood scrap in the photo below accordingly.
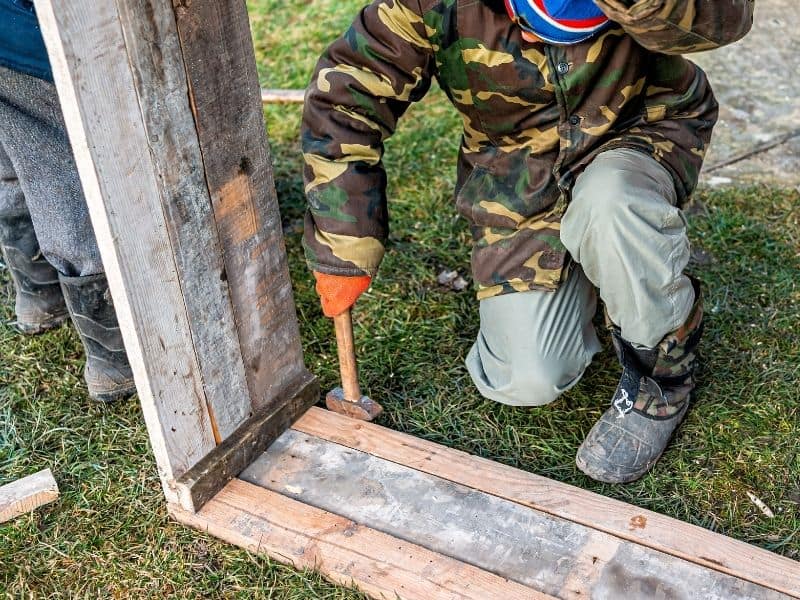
(27, 494)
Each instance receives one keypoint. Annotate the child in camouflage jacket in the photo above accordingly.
(576, 157)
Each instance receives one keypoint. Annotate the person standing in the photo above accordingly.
(46, 236)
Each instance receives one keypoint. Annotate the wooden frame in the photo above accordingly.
(400, 516)
(163, 110)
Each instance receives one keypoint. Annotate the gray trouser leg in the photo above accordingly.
(33, 136)
(534, 345)
(12, 200)
(624, 229)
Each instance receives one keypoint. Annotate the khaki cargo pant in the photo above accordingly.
(629, 242)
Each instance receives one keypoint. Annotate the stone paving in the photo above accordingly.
(757, 83)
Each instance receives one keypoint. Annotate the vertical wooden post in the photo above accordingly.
(225, 98)
(179, 185)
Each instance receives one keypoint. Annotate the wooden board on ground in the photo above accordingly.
(344, 496)
(27, 494)
(346, 552)
(618, 518)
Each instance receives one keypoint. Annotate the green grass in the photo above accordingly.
(108, 534)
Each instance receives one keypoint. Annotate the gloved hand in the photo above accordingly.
(337, 293)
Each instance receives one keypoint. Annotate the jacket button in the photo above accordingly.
(562, 68)
(574, 120)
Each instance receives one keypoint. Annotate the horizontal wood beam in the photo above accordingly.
(348, 553)
(203, 481)
(546, 553)
(625, 521)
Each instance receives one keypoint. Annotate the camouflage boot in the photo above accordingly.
(39, 305)
(651, 400)
(107, 372)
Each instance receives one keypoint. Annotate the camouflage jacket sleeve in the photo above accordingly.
(681, 26)
(362, 84)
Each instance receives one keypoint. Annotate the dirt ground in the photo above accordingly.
(757, 82)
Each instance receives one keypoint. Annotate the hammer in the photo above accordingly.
(347, 400)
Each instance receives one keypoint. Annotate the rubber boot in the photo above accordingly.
(107, 372)
(38, 304)
(650, 402)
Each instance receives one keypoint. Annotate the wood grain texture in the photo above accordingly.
(546, 553)
(645, 528)
(154, 52)
(345, 552)
(346, 349)
(27, 494)
(226, 99)
(202, 482)
(104, 121)
(282, 96)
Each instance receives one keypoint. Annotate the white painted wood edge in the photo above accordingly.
(269, 96)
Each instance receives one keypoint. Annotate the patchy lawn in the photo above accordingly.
(108, 535)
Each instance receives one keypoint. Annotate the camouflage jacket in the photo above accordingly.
(534, 115)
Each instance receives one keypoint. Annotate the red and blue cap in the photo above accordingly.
(558, 21)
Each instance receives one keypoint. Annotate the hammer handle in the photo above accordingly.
(348, 369)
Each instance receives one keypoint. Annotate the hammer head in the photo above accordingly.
(364, 409)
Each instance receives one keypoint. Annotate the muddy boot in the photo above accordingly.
(39, 305)
(651, 400)
(108, 374)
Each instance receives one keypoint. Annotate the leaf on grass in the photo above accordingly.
(760, 504)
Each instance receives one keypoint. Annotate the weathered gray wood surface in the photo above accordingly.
(91, 67)
(163, 109)
(546, 553)
(345, 552)
(226, 99)
(154, 52)
(202, 482)
(26, 494)
(626, 521)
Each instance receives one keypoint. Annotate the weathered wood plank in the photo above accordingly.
(98, 97)
(546, 553)
(344, 551)
(226, 99)
(645, 528)
(154, 52)
(203, 481)
(27, 494)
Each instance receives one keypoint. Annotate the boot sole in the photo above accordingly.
(115, 395)
(631, 476)
(584, 467)
(38, 327)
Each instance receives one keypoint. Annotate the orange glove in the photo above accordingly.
(339, 292)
